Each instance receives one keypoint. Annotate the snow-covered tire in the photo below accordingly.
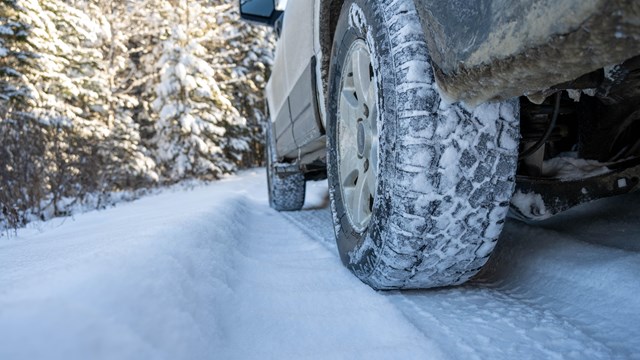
(286, 191)
(444, 174)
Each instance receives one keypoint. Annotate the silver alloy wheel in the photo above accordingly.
(358, 135)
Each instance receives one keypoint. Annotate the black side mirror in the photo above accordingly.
(262, 12)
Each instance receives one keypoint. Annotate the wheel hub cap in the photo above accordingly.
(358, 135)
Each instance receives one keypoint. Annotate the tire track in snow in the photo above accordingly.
(586, 274)
(491, 324)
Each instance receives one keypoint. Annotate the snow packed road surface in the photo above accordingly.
(212, 272)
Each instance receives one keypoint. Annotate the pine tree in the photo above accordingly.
(194, 116)
(22, 139)
(243, 55)
(13, 58)
(131, 165)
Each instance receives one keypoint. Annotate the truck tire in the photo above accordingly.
(419, 187)
(286, 191)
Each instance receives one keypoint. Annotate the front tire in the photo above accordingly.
(419, 188)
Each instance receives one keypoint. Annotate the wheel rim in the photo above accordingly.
(358, 135)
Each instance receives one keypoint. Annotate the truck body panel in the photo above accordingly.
(497, 49)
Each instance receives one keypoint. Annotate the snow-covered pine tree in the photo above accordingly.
(194, 115)
(22, 139)
(242, 55)
(139, 28)
(131, 165)
(69, 92)
(13, 58)
(90, 143)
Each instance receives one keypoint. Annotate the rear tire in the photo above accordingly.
(443, 174)
(286, 191)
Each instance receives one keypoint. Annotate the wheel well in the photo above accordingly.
(329, 13)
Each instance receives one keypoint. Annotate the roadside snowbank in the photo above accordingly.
(210, 273)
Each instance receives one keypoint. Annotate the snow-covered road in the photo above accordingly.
(214, 273)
